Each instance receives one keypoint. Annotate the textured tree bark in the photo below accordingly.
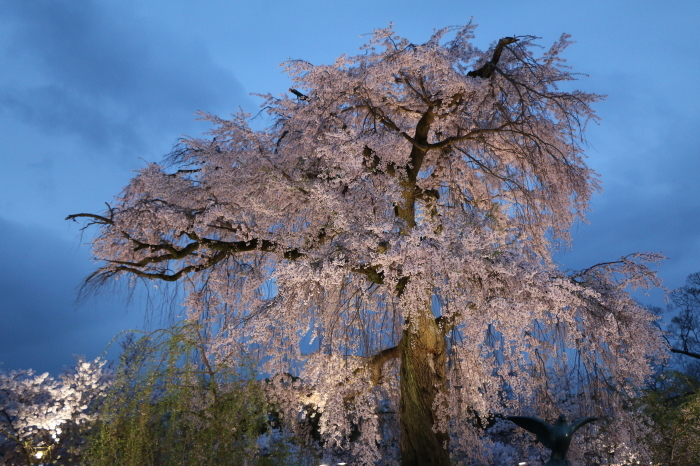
(423, 376)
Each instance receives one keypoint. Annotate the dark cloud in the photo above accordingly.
(98, 70)
(59, 110)
(42, 326)
(649, 159)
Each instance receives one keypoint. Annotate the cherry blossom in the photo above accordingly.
(36, 410)
(388, 238)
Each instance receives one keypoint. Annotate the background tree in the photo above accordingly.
(388, 237)
(684, 331)
(672, 409)
(672, 402)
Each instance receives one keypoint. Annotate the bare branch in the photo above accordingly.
(376, 362)
(100, 220)
(685, 353)
(489, 67)
(298, 94)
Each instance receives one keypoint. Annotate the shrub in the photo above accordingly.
(174, 404)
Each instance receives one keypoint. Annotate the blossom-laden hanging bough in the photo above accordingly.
(389, 236)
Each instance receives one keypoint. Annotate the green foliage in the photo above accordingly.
(173, 404)
(674, 411)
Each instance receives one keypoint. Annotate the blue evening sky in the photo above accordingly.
(91, 90)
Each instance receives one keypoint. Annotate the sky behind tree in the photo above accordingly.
(92, 90)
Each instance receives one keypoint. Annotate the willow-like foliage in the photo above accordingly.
(171, 405)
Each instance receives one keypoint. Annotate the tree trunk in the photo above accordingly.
(423, 376)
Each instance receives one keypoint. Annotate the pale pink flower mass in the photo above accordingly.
(393, 187)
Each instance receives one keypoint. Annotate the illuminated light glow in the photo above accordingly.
(39, 404)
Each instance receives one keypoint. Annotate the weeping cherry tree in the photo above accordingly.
(389, 236)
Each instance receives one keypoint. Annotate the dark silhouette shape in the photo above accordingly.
(556, 437)
(298, 94)
(489, 67)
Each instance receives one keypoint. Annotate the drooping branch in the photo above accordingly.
(103, 273)
(97, 219)
(224, 249)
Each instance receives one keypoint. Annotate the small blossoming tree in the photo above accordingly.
(389, 236)
(36, 411)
